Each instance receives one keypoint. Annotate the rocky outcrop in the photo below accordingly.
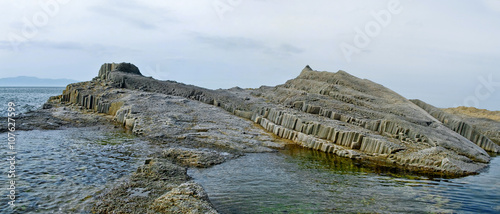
(124, 67)
(105, 69)
(189, 197)
(158, 186)
(335, 111)
(165, 118)
(460, 126)
(331, 112)
(332, 138)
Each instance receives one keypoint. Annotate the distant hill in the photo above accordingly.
(34, 81)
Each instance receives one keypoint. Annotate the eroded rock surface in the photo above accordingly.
(158, 186)
(340, 113)
(188, 197)
(484, 121)
(332, 112)
(476, 130)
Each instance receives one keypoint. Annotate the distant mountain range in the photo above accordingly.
(34, 81)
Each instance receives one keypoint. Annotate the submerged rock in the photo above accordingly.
(194, 158)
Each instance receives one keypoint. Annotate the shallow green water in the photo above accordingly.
(305, 181)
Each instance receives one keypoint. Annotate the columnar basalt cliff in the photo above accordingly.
(331, 112)
(484, 121)
(460, 126)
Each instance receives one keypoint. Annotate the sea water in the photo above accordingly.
(26, 98)
(61, 171)
(298, 180)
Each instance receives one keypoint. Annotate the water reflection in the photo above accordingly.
(298, 180)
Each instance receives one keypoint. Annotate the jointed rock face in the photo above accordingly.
(462, 127)
(332, 112)
(484, 121)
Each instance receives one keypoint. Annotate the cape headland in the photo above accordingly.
(330, 112)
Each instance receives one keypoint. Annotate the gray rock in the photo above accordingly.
(484, 121)
(194, 158)
(124, 67)
(331, 112)
(128, 68)
(462, 127)
(188, 197)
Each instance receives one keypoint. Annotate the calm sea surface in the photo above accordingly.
(26, 99)
(297, 180)
(60, 171)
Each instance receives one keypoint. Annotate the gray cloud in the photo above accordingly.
(136, 14)
(287, 48)
(5, 45)
(230, 43)
(57, 45)
(46, 45)
(123, 17)
(243, 44)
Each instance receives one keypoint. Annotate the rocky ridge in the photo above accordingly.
(332, 112)
(197, 127)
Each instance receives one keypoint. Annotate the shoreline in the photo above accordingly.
(200, 128)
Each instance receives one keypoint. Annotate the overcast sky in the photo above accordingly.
(444, 52)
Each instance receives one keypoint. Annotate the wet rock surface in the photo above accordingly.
(188, 197)
(195, 158)
(135, 193)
